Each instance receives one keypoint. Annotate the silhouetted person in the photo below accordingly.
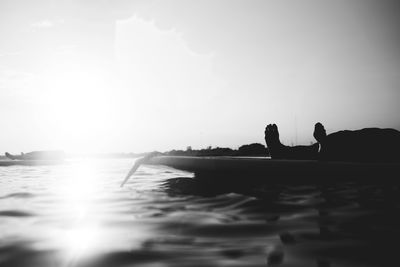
(365, 145)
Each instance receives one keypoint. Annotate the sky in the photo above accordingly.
(134, 76)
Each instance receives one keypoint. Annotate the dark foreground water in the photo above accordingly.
(77, 215)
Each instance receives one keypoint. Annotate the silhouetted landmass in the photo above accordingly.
(93, 156)
(250, 150)
(106, 155)
(38, 155)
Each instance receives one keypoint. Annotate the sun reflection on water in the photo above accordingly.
(82, 215)
(77, 191)
(81, 241)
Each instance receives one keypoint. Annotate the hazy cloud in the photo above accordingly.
(11, 54)
(298, 54)
(15, 82)
(42, 24)
(224, 68)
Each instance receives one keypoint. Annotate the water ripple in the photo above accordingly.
(77, 215)
(15, 213)
(18, 195)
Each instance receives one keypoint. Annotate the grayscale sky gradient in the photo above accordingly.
(109, 76)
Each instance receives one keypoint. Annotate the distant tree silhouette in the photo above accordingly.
(254, 149)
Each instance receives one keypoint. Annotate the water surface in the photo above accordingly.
(76, 214)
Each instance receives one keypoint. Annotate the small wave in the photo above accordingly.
(18, 195)
(15, 213)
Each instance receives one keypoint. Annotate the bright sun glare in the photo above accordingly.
(78, 191)
(83, 230)
(76, 107)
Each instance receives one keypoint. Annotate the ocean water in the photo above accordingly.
(76, 214)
